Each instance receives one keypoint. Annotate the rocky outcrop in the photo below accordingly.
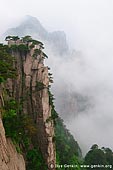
(31, 90)
(9, 158)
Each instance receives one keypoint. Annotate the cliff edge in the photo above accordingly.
(30, 90)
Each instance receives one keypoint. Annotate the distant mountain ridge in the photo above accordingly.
(31, 26)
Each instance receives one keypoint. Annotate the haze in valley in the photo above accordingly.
(85, 73)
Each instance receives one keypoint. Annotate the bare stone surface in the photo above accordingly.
(9, 158)
(36, 103)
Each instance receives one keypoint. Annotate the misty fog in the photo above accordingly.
(92, 78)
(89, 74)
(87, 70)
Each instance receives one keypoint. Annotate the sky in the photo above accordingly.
(76, 17)
(88, 25)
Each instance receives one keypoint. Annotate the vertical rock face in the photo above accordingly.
(9, 158)
(31, 90)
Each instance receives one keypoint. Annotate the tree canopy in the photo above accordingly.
(6, 64)
(99, 156)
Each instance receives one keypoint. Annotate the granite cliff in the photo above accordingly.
(68, 103)
(10, 159)
(32, 135)
(30, 91)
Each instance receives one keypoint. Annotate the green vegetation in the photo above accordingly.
(23, 49)
(18, 126)
(39, 86)
(24, 45)
(6, 64)
(36, 52)
(14, 38)
(35, 42)
(97, 156)
(67, 149)
(35, 160)
(28, 39)
(31, 46)
(45, 56)
(21, 129)
(13, 48)
(54, 114)
(50, 77)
